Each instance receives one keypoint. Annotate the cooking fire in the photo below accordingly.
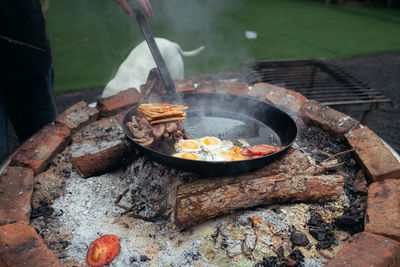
(106, 199)
(135, 203)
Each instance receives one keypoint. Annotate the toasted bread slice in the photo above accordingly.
(161, 107)
(167, 119)
(162, 112)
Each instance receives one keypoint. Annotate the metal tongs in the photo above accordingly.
(144, 27)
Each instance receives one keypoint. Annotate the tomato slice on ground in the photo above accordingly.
(103, 250)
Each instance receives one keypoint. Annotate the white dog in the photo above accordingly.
(134, 70)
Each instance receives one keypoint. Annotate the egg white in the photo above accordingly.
(219, 151)
(218, 142)
(180, 145)
(198, 156)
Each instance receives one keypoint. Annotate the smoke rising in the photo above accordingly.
(194, 23)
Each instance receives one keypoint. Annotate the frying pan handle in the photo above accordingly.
(144, 27)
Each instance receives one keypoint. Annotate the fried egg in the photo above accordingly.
(190, 145)
(227, 154)
(208, 148)
(189, 155)
(210, 142)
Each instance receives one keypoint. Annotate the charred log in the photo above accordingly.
(290, 179)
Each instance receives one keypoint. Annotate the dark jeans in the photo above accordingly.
(29, 104)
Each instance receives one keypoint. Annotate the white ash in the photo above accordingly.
(276, 220)
(250, 242)
(93, 139)
(308, 262)
(82, 148)
(234, 247)
(78, 116)
(266, 240)
(87, 211)
(188, 256)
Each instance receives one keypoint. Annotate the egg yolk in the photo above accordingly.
(189, 156)
(235, 149)
(190, 145)
(210, 141)
(232, 155)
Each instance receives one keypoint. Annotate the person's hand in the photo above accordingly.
(145, 4)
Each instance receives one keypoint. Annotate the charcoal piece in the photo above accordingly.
(317, 221)
(299, 239)
(193, 255)
(144, 258)
(297, 255)
(44, 210)
(352, 220)
(325, 244)
(318, 233)
(321, 231)
(270, 262)
(280, 252)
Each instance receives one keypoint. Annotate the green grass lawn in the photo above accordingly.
(91, 38)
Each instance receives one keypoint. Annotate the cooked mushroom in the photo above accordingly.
(166, 135)
(145, 141)
(158, 130)
(171, 127)
(180, 126)
(144, 124)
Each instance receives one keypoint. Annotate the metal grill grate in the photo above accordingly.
(315, 79)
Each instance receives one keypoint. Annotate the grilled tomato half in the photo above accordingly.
(103, 250)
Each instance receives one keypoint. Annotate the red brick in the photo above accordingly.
(383, 209)
(375, 158)
(101, 147)
(78, 116)
(16, 187)
(20, 245)
(37, 151)
(211, 86)
(101, 129)
(184, 85)
(112, 105)
(260, 90)
(293, 101)
(328, 118)
(367, 250)
(234, 88)
(286, 99)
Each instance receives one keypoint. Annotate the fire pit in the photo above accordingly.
(329, 198)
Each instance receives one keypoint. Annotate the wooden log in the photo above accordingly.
(290, 179)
